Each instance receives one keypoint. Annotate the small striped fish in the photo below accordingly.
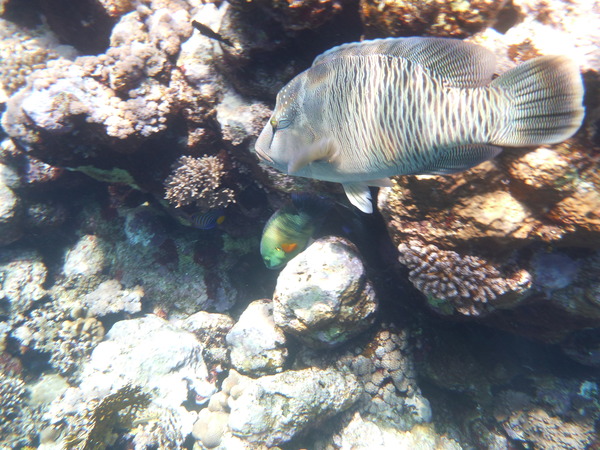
(366, 111)
(207, 220)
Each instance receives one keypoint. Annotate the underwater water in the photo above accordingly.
(168, 283)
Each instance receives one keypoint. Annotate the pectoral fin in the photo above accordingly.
(325, 149)
(462, 157)
(359, 195)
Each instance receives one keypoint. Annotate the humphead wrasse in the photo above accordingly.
(290, 228)
(398, 106)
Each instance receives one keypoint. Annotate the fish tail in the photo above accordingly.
(544, 102)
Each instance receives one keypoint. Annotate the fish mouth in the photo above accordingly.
(263, 156)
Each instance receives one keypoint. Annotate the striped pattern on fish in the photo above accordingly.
(366, 111)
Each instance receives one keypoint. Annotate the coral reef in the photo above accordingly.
(11, 212)
(427, 17)
(86, 259)
(148, 352)
(304, 14)
(273, 409)
(12, 397)
(22, 277)
(498, 216)
(323, 295)
(383, 364)
(198, 181)
(361, 433)
(109, 297)
(112, 153)
(100, 418)
(541, 27)
(467, 284)
(211, 330)
(68, 337)
(24, 52)
(567, 421)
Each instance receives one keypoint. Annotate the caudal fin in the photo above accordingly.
(544, 106)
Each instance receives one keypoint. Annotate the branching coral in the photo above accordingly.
(95, 427)
(199, 181)
(76, 340)
(69, 342)
(468, 284)
(12, 395)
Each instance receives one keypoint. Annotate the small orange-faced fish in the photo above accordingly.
(289, 229)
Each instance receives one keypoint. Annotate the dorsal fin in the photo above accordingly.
(458, 63)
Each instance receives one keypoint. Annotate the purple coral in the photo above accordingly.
(468, 283)
(199, 181)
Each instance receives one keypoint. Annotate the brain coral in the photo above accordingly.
(464, 283)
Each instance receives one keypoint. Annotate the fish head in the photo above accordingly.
(288, 132)
(277, 257)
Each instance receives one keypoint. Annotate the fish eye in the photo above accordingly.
(282, 123)
(273, 122)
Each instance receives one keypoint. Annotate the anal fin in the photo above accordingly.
(359, 195)
(461, 157)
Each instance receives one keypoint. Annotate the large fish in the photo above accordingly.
(366, 111)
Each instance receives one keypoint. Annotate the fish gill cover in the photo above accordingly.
(135, 310)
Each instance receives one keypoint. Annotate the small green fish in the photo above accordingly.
(399, 106)
(290, 228)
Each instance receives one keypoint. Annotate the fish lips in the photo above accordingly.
(263, 144)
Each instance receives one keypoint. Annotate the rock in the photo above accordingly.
(149, 353)
(211, 330)
(109, 297)
(362, 434)
(323, 295)
(22, 278)
(47, 389)
(210, 427)
(10, 216)
(546, 29)
(557, 413)
(241, 119)
(306, 14)
(86, 258)
(257, 344)
(252, 413)
(275, 408)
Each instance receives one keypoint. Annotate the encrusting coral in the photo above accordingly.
(23, 52)
(199, 181)
(460, 282)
